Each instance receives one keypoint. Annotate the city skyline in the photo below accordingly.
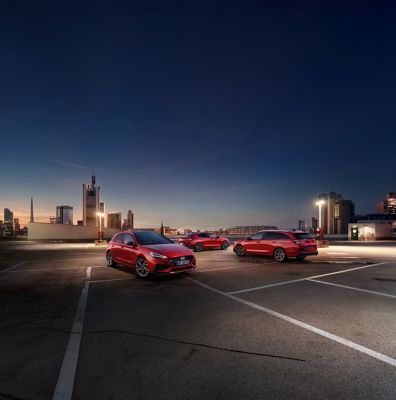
(241, 119)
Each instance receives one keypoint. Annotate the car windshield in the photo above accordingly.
(303, 236)
(147, 238)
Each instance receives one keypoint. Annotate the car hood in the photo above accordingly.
(170, 250)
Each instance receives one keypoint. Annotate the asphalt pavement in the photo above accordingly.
(236, 328)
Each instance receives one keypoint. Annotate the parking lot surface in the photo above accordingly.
(236, 328)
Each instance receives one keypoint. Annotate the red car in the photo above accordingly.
(149, 253)
(204, 240)
(278, 244)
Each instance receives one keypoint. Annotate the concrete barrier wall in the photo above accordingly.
(43, 231)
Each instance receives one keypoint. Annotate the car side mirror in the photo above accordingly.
(217, 237)
(133, 244)
(249, 238)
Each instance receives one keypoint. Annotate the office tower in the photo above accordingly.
(336, 213)
(114, 220)
(302, 226)
(388, 206)
(130, 219)
(31, 210)
(315, 223)
(91, 194)
(17, 226)
(8, 215)
(64, 215)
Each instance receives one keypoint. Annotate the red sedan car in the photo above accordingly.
(204, 240)
(278, 244)
(149, 253)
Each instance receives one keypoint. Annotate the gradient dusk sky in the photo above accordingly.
(202, 119)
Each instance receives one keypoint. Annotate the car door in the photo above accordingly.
(116, 247)
(268, 243)
(215, 241)
(278, 239)
(205, 239)
(129, 250)
(253, 243)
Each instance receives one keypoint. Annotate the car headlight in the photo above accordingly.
(156, 255)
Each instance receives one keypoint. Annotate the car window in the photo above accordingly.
(128, 238)
(119, 238)
(204, 235)
(276, 236)
(303, 236)
(149, 238)
(257, 236)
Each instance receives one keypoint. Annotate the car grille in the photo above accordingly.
(182, 258)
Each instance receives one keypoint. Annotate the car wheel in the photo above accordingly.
(240, 251)
(142, 270)
(198, 247)
(109, 259)
(224, 245)
(280, 255)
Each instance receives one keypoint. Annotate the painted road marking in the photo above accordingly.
(50, 269)
(111, 280)
(13, 267)
(65, 384)
(302, 279)
(237, 266)
(353, 288)
(379, 356)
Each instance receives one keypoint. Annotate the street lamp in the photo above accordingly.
(100, 215)
(320, 203)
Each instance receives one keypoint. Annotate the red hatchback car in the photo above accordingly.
(204, 240)
(278, 244)
(150, 253)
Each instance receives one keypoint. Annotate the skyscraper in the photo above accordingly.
(31, 210)
(130, 219)
(91, 194)
(114, 220)
(8, 216)
(336, 213)
(388, 206)
(64, 215)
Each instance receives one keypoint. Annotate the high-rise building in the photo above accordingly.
(114, 220)
(91, 195)
(302, 225)
(130, 220)
(8, 215)
(315, 224)
(336, 213)
(17, 226)
(64, 215)
(388, 206)
(31, 210)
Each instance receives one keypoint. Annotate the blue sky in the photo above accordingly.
(204, 121)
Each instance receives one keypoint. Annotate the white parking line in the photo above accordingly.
(50, 269)
(237, 266)
(13, 267)
(353, 288)
(111, 280)
(379, 356)
(302, 279)
(65, 383)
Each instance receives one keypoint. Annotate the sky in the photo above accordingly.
(200, 118)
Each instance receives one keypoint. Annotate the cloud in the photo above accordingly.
(69, 164)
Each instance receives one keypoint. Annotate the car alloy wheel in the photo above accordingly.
(109, 259)
(279, 255)
(224, 246)
(240, 251)
(142, 270)
(198, 247)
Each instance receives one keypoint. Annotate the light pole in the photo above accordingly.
(100, 215)
(320, 203)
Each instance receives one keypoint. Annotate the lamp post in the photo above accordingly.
(320, 203)
(100, 215)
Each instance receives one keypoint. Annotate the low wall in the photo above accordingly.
(43, 231)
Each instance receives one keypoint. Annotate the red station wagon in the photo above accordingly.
(204, 240)
(278, 244)
(150, 253)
